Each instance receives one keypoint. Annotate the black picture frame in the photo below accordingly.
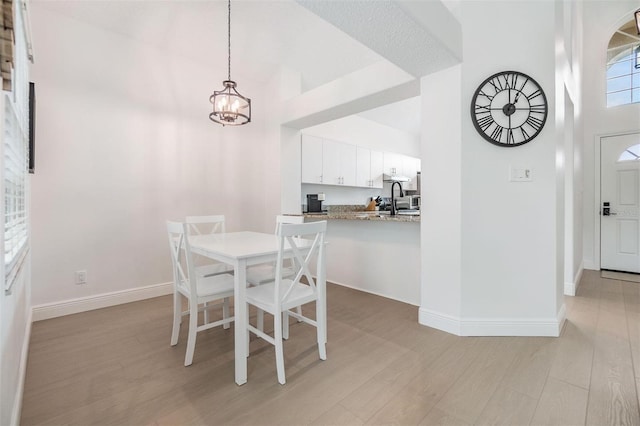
(32, 127)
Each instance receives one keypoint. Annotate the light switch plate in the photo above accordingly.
(520, 174)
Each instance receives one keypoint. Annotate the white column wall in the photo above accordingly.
(125, 143)
(492, 249)
(441, 211)
(509, 230)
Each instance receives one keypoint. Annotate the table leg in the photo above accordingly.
(241, 319)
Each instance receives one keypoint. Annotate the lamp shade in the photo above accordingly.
(229, 106)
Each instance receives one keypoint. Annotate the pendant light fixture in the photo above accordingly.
(229, 106)
(637, 15)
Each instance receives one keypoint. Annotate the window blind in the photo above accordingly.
(15, 142)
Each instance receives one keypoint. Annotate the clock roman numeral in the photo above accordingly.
(534, 122)
(496, 135)
(497, 84)
(538, 109)
(510, 137)
(534, 94)
(482, 93)
(525, 135)
(483, 109)
(485, 122)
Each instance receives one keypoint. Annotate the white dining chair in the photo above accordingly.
(197, 289)
(210, 224)
(266, 272)
(284, 294)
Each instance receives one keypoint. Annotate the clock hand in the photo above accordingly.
(517, 96)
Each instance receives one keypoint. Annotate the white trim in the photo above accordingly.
(386, 296)
(439, 321)
(16, 411)
(570, 288)
(548, 327)
(74, 306)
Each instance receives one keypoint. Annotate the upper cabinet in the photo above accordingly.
(311, 159)
(338, 163)
(329, 162)
(403, 165)
(369, 168)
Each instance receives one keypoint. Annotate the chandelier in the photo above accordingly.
(229, 106)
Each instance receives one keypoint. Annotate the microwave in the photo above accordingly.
(410, 202)
(414, 202)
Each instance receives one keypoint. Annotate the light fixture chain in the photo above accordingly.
(229, 38)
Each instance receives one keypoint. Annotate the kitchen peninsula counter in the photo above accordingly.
(372, 252)
(363, 215)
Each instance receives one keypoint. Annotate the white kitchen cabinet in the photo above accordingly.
(312, 160)
(338, 163)
(410, 167)
(369, 168)
(403, 165)
(392, 163)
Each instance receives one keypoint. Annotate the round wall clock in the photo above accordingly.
(509, 109)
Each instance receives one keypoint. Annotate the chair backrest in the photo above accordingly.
(280, 219)
(212, 224)
(303, 256)
(183, 267)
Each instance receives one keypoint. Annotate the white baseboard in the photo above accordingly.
(16, 411)
(550, 327)
(570, 288)
(440, 321)
(386, 296)
(74, 306)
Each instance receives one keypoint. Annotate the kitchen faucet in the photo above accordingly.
(393, 201)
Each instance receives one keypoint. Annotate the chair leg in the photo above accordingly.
(299, 311)
(193, 329)
(260, 320)
(321, 322)
(206, 313)
(177, 317)
(225, 312)
(277, 336)
(285, 325)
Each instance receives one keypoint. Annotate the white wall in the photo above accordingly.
(125, 143)
(509, 229)
(15, 326)
(600, 20)
(441, 212)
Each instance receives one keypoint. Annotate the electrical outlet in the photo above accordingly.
(81, 277)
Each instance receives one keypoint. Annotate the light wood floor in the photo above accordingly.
(115, 366)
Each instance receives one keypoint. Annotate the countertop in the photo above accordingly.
(363, 215)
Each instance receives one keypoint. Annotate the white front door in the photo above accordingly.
(620, 203)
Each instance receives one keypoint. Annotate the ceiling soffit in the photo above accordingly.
(419, 37)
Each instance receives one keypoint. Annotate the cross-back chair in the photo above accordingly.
(266, 272)
(283, 294)
(197, 289)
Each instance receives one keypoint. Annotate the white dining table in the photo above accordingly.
(242, 249)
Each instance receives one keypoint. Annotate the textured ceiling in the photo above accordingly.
(407, 33)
